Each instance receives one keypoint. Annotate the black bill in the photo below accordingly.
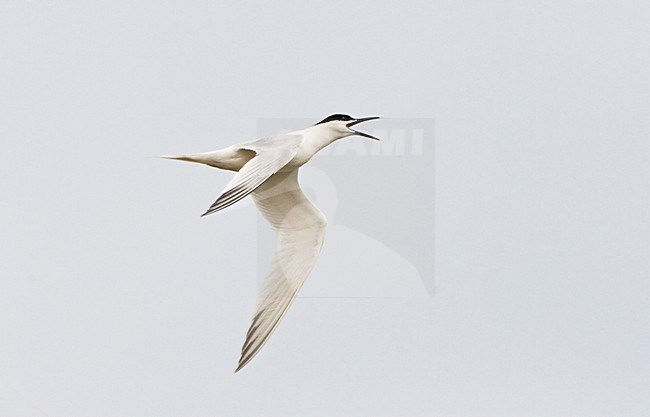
(363, 119)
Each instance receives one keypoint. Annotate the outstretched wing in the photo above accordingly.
(300, 227)
(271, 154)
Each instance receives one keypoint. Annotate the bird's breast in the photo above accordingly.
(300, 159)
(310, 145)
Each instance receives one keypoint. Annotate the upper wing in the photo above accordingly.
(300, 227)
(271, 154)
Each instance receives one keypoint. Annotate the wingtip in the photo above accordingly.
(210, 211)
(240, 366)
(244, 360)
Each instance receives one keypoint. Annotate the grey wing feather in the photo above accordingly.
(271, 154)
(300, 227)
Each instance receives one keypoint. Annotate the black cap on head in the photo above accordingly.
(342, 117)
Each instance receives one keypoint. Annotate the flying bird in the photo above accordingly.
(267, 169)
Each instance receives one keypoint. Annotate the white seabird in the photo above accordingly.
(268, 170)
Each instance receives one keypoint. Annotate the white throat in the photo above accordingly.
(319, 136)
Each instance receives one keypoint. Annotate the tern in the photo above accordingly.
(267, 169)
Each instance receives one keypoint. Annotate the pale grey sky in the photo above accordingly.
(116, 299)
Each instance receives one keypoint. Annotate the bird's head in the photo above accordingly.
(340, 125)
